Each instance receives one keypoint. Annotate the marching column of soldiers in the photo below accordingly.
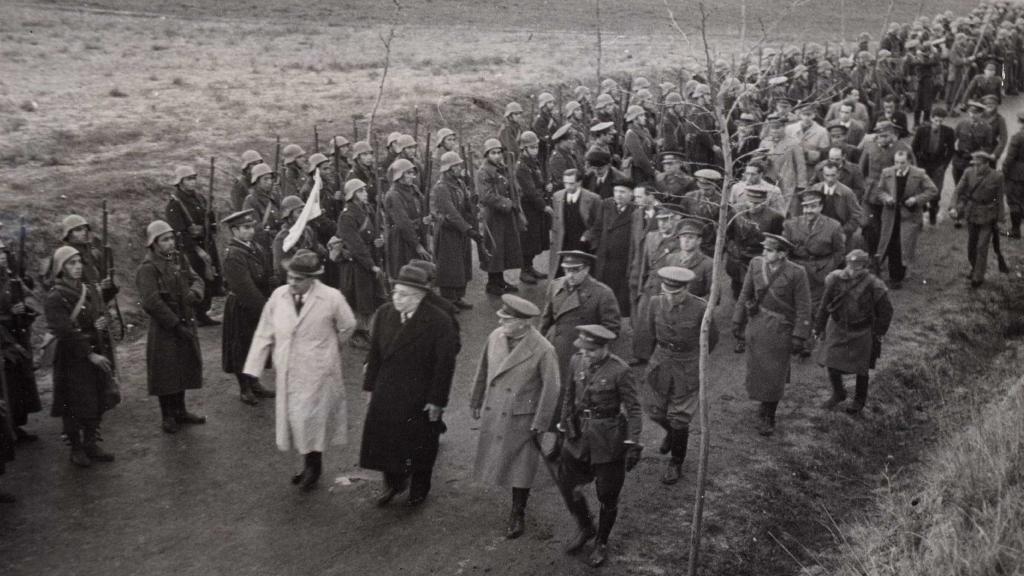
(836, 159)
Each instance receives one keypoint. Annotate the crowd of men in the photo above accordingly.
(826, 164)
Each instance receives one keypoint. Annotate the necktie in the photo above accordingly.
(405, 317)
(298, 302)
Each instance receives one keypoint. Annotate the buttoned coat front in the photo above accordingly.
(589, 205)
(589, 303)
(309, 409)
(918, 186)
(516, 391)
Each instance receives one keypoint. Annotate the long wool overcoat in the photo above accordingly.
(248, 283)
(784, 313)
(854, 310)
(500, 215)
(453, 251)
(169, 290)
(408, 366)
(309, 409)
(516, 390)
(612, 236)
(920, 187)
(589, 303)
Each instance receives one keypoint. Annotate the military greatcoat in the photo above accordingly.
(501, 213)
(566, 308)
(854, 311)
(819, 247)
(248, 282)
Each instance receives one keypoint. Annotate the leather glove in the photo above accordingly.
(476, 235)
(633, 456)
(182, 331)
(797, 345)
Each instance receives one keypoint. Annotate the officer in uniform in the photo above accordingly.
(186, 212)
(979, 201)
(854, 315)
(601, 420)
(818, 241)
(573, 299)
(745, 234)
(249, 283)
(673, 379)
(972, 133)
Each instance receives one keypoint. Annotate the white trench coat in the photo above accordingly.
(310, 409)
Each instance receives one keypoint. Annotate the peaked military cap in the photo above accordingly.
(593, 336)
(513, 306)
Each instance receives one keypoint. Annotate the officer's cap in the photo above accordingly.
(982, 155)
(601, 127)
(576, 258)
(857, 255)
(811, 196)
(990, 99)
(513, 306)
(593, 336)
(672, 156)
(885, 126)
(690, 227)
(708, 174)
(239, 218)
(562, 132)
(838, 126)
(776, 242)
(976, 105)
(676, 276)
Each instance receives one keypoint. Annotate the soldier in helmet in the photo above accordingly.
(341, 162)
(671, 130)
(248, 282)
(324, 224)
(579, 128)
(501, 215)
(674, 319)
(852, 319)
(639, 148)
(358, 258)
(77, 233)
(169, 291)
(392, 148)
(581, 95)
(533, 195)
(291, 208)
(240, 189)
(544, 125)
(363, 169)
(601, 419)
(509, 133)
(265, 208)
(187, 212)
(293, 176)
(407, 217)
(457, 227)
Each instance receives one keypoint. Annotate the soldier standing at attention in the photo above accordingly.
(240, 188)
(186, 212)
(854, 315)
(773, 316)
(261, 199)
(293, 176)
(673, 379)
(601, 419)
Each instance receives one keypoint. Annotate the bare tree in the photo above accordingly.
(386, 40)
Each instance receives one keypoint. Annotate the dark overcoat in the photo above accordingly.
(589, 303)
(854, 311)
(532, 193)
(15, 333)
(819, 246)
(612, 236)
(453, 210)
(248, 283)
(403, 205)
(357, 230)
(784, 312)
(500, 213)
(408, 366)
(979, 197)
(78, 384)
(168, 290)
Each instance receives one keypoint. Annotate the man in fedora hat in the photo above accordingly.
(601, 177)
(851, 321)
(187, 213)
(979, 201)
(773, 317)
(169, 291)
(601, 420)
(248, 282)
(674, 319)
(408, 374)
(515, 395)
(573, 299)
(305, 325)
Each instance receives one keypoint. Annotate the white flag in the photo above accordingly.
(309, 212)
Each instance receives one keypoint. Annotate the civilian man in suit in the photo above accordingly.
(612, 242)
(902, 193)
(934, 145)
(575, 211)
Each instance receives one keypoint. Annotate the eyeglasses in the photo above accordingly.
(572, 269)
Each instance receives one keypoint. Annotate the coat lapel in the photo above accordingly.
(406, 333)
(521, 353)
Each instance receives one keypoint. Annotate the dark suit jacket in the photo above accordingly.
(606, 188)
(921, 145)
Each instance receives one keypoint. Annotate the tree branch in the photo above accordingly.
(384, 74)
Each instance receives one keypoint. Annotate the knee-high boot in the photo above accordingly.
(91, 438)
(73, 430)
(517, 520)
(584, 521)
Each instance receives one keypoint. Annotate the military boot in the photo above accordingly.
(517, 519)
(585, 532)
(91, 446)
(838, 391)
(259, 391)
(311, 472)
(78, 456)
(674, 470)
(604, 528)
(860, 396)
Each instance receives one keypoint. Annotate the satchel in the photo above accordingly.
(48, 347)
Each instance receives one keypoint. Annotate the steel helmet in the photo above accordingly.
(182, 172)
(608, 84)
(491, 144)
(528, 138)
(581, 92)
(513, 108)
(634, 112)
(314, 161)
(156, 229)
(604, 100)
(673, 99)
(405, 141)
(571, 107)
(69, 223)
(352, 186)
(362, 147)
(544, 98)
(444, 133)
(644, 94)
(291, 152)
(398, 168)
(391, 139)
(339, 141)
(250, 157)
(291, 204)
(449, 159)
(61, 256)
(259, 170)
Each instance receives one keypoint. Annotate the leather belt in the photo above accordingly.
(598, 414)
(674, 347)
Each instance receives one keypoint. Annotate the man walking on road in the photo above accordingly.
(304, 325)
(409, 372)
(979, 201)
(516, 393)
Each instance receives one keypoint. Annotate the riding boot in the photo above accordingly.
(674, 470)
(311, 471)
(604, 528)
(767, 427)
(245, 390)
(1015, 225)
(835, 377)
(74, 433)
(860, 397)
(584, 521)
(517, 520)
(168, 409)
(90, 433)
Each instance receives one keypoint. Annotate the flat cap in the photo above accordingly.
(593, 336)
(857, 255)
(676, 275)
(238, 218)
(576, 258)
(513, 306)
(759, 190)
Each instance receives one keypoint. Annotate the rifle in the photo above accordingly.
(275, 191)
(316, 139)
(21, 322)
(380, 215)
(337, 169)
(108, 269)
(355, 129)
(207, 224)
(427, 162)
(625, 104)
(560, 114)
(416, 124)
